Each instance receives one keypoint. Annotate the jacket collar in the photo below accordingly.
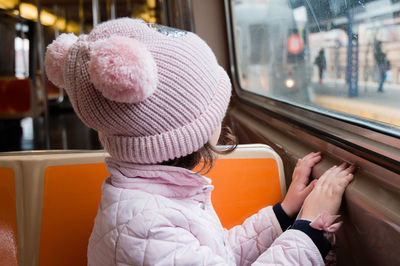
(165, 180)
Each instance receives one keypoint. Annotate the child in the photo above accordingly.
(157, 97)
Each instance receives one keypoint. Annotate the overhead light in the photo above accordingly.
(8, 4)
(47, 18)
(28, 11)
(151, 3)
(73, 27)
(145, 16)
(61, 24)
(289, 83)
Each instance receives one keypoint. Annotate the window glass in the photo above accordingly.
(340, 56)
(21, 47)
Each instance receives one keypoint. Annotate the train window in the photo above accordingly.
(21, 46)
(336, 58)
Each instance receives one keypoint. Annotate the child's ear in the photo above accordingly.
(56, 54)
(122, 69)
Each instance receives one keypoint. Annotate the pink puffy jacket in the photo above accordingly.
(162, 215)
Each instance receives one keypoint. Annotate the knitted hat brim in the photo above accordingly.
(177, 142)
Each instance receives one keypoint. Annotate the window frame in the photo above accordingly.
(377, 143)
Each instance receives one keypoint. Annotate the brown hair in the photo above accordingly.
(207, 154)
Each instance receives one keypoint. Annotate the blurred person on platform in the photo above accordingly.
(382, 63)
(320, 61)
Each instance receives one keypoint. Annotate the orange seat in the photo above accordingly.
(243, 187)
(245, 181)
(15, 96)
(58, 194)
(61, 193)
(52, 90)
(8, 218)
(71, 195)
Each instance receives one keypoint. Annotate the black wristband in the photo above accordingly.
(316, 236)
(284, 220)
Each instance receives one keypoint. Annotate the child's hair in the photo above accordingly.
(205, 156)
(152, 93)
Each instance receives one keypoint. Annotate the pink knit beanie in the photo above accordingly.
(153, 93)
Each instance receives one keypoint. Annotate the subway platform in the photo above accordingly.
(383, 107)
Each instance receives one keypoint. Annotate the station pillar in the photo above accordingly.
(352, 58)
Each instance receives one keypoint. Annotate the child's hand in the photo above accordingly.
(298, 189)
(328, 192)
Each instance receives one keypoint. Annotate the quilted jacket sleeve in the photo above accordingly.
(254, 236)
(293, 247)
(162, 238)
(259, 241)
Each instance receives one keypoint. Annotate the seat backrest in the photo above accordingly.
(245, 181)
(15, 96)
(57, 196)
(8, 217)
(71, 194)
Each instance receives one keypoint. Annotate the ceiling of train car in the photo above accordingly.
(71, 8)
(65, 14)
(86, 2)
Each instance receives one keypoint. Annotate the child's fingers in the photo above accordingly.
(316, 159)
(311, 155)
(312, 160)
(310, 187)
(317, 153)
(303, 167)
(339, 176)
(351, 168)
(347, 170)
(327, 173)
(348, 173)
(345, 181)
(341, 168)
(349, 177)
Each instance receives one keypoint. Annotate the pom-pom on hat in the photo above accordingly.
(55, 57)
(153, 93)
